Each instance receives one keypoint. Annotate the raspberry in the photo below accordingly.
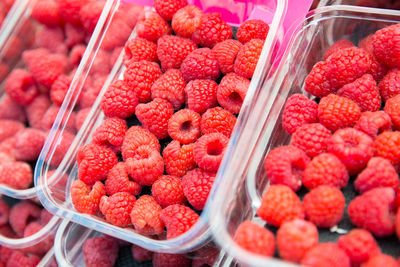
(389, 86)
(397, 222)
(49, 118)
(212, 30)
(118, 32)
(119, 100)
(170, 86)
(21, 214)
(118, 181)
(94, 163)
(135, 137)
(28, 144)
(280, 204)
(186, 21)
(101, 64)
(298, 110)
(59, 89)
(76, 55)
(117, 208)
(232, 91)
(6, 254)
(9, 128)
(17, 175)
(197, 185)
(206, 256)
(326, 254)
(172, 50)
(285, 165)
(392, 108)
(7, 147)
(81, 117)
(179, 159)
(359, 245)
(201, 95)
(226, 53)
(168, 190)
(140, 76)
(209, 150)
(4, 213)
(111, 134)
(47, 12)
(311, 138)
(170, 260)
(100, 251)
(43, 246)
(69, 10)
(386, 46)
(86, 198)
(45, 217)
(217, 120)
(341, 44)
(247, 58)
(10, 110)
(255, 238)
(139, 49)
(74, 35)
(367, 44)
(20, 86)
(52, 39)
(62, 148)
(374, 123)
(317, 82)
(378, 71)
(167, 8)
(252, 29)
(90, 13)
(335, 112)
(18, 259)
(145, 216)
(295, 238)
(155, 115)
(200, 64)
(387, 145)
(381, 260)
(373, 211)
(178, 219)
(151, 26)
(141, 254)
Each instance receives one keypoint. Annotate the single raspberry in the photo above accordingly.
(326, 254)
(81, 117)
(206, 256)
(74, 35)
(118, 33)
(145, 216)
(139, 49)
(18, 259)
(170, 86)
(168, 190)
(252, 29)
(172, 50)
(298, 110)
(69, 10)
(11, 110)
(178, 159)
(52, 39)
(167, 8)
(9, 128)
(49, 118)
(387, 145)
(381, 260)
(197, 185)
(86, 198)
(4, 213)
(7, 147)
(255, 238)
(119, 100)
(279, 204)
(232, 92)
(28, 144)
(178, 219)
(285, 165)
(389, 86)
(359, 245)
(212, 30)
(186, 21)
(338, 45)
(201, 95)
(226, 53)
(374, 123)
(76, 55)
(373, 211)
(111, 134)
(170, 260)
(317, 82)
(311, 138)
(200, 64)
(118, 181)
(100, 251)
(209, 150)
(117, 208)
(135, 137)
(140, 76)
(17, 175)
(101, 64)
(90, 13)
(21, 87)
(151, 26)
(218, 120)
(43, 246)
(21, 214)
(247, 58)
(392, 108)
(141, 254)
(59, 89)
(47, 12)
(386, 46)
(367, 44)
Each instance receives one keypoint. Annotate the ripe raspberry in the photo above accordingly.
(81, 117)
(9, 109)
(178, 219)
(255, 238)
(252, 29)
(359, 245)
(295, 238)
(387, 145)
(100, 251)
(381, 260)
(197, 185)
(168, 190)
(28, 144)
(167, 8)
(59, 89)
(47, 12)
(298, 110)
(200, 64)
(392, 108)
(280, 204)
(206, 256)
(17, 175)
(179, 159)
(338, 45)
(170, 260)
(74, 35)
(226, 53)
(45, 217)
(4, 213)
(21, 214)
(118, 181)
(18, 259)
(311, 138)
(111, 134)
(118, 32)
(7, 147)
(170, 86)
(317, 82)
(86, 198)
(232, 91)
(335, 112)
(212, 30)
(247, 58)
(76, 55)
(117, 208)
(139, 49)
(69, 10)
(49, 118)
(386, 46)
(61, 148)
(326, 254)
(201, 95)
(186, 21)
(145, 216)
(9, 128)
(218, 120)
(5, 254)
(119, 100)
(172, 50)
(389, 86)
(43, 246)
(135, 137)
(209, 150)
(151, 26)
(285, 165)
(20, 86)
(141, 254)
(140, 76)
(90, 14)
(52, 39)
(374, 123)
(373, 211)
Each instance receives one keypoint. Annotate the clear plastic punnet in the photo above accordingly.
(237, 197)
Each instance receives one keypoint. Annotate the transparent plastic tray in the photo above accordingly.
(238, 197)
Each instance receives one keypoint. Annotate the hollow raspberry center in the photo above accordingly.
(186, 126)
(235, 98)
(349, 143)
(297, 172)
(215, 148)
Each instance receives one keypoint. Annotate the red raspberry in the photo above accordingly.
(378, 71)
(28, 144)
(397, 222)
(145, 216)
(76, 55)
(59, 89)
(338, 45)
(61, 148)
(141, 254)
(135, 137)
(179, 159)
(52, 39)
(111, 134)
(167, 8)
(101, 64)
(7, 147)
(201, 95)
(47, 12)
(200, 64)
(74, 35)
(209, 150)
(117, 208)
(374, 123)
(151, 26)
(335, 112)
(170, 260)
(4, 213)
(168, 190)
(6, 254)
(218, 120)
(118, 181)
(359, 245)
(10, 110)
(81, 117)
(387, 145)
(90, 14)
(86, 198)
(170, 86)
(119, 100)
(255, 238)
(69, 10)
(252, 29)
(18, 259)
(118, 32)
(36, 110)
(178, 219)
(206, 256)
(20, 86)
(392, 108)
(140, 76)
(247, 58)
(49, 118)
(43, 246)
(367, 44)
(381, 260)
(298, 110)
(280, 204)
(139, 49)
(186, 21)
(172, 50)
(197, 185)
(285, 165)
(389, 86)
(232, 91)
(100, 251)
(21, 214)
(295, 238)
(9, 128)
(212, 30)
(386, 46)
(352, 147)
(326, 254)
(45, 217)
(226, 53)
(373, 211)
(317, 82)
(17, 175)
(311, 138)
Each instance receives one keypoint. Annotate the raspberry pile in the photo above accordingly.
(348, 131)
